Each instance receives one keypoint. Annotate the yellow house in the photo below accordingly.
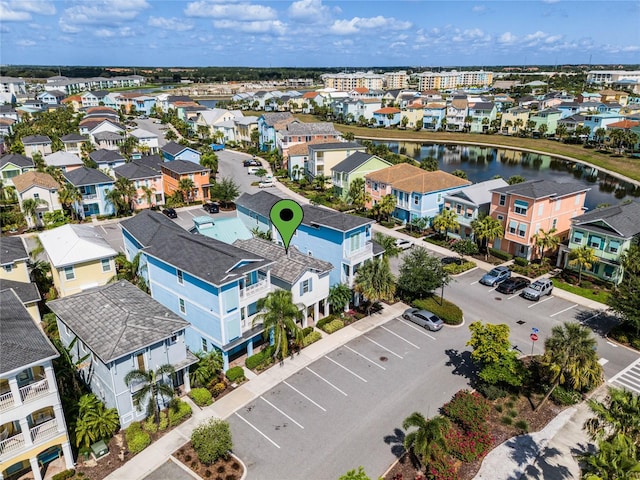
(80, 258)
(414, 113)
(15, 274)
(514, 120)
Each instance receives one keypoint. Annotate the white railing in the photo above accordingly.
(358, 252)
(254, 288)
(34, 390)
(89, 196)
(11, 444)
(44, 431)
(6, 401)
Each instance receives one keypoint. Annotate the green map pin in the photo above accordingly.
(286, 216)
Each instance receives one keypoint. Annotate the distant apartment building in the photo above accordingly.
(611, 77)
(348, 81)
(453, 79)
(396, 80)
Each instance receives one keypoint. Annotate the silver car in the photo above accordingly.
(424, 318)
(538, 289)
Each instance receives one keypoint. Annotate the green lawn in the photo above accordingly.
(601, 296)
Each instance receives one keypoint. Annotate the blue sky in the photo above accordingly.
(318, 33)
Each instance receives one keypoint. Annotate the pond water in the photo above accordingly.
(484, 163)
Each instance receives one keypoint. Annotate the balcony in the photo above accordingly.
(44, 431)
(358, 255)
(255, 288)
(6, 401)
(11, 445)
(34, 390)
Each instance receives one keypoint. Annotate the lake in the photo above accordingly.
(484, 163)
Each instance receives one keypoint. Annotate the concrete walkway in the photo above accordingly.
(142, 465)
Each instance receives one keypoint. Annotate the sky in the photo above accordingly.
(318, 33)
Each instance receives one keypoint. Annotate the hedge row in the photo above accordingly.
(500, 254)
(323, 321)
(201, 396)
(235, 374)
(333, 326)
(137, 439)
(449, 312)
(179, 412)
(260, 359)
(311, 338)
(456, 268)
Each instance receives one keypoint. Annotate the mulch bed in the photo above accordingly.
(408, 468)
(222, 469)
(118, 456)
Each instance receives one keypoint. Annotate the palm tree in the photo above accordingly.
(618, 414)
(279, 316)
(358, 196)
(339, 297)
(170, 135)
(95, 422)
(207, 369)
(542, 129)
(320, 182)
(185, 187)
(546, 240)
(375, 282)
(518, 124)
(128, 191)
(149, 193)
(487, 230)
(30, 208)
(570, 358)
(616, 458)
(561, 131)
(152, 388)
(388, 243)
(428, 433)
(445, 221)
(69, 195)
(387, 205)
(583, 257)
(599, 136)
(114, 197)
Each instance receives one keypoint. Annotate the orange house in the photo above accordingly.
(525, 208)
(176, 170)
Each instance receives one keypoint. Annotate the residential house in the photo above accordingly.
(268, 125)
(609, 231)
(470, 203)
(65, 161)
(297, 160)
(357, 165)
(343, 240)
(571, 122)
(322, 157)
(147, 141)
(568, 109)
(73, 101)
(53, 97)
(213, 285)
(13, 260)
(457, 112)
(176, 170)
(227, 230)
(514, 120)
(12, 165)
(525, 208)
(601, 120)
(93, 185)
(136, 103)
(73, 142)
(36, 143)
(433, 113)
(93, 99)
(104, 133)
(119, 328)
(80, 258)
(612, 96)
(38, 186)
(28, 294)
(210, 119)
(33, 432)
(387, 117)
(108, 140)
(307, 278)
(482, 114)
(548, 117)
(244, 127)
(143, 176)
(6, 126)
(174, 151)
(107, 160)
(295, 133)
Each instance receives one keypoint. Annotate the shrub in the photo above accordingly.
(306, 331)
(212, 440)
(311, 338)
(449, 312)
(523, 262)
(441, 467)
(522, 425)
(150, 425)
(137, 439)
(323, 321)
(498, 408)
(492, 392)
(235, 374)
(64, 474)
(333, 326)
(218, 388)
(500, 254)
(506, 420)
(260, 359)
(468, 446)
(455, 268)
(469, 410)
(201, 396)
(164, 421)
(512, 413)
(178, 412)
(563, 396)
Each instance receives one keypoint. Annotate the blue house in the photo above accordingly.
(343, 240)
(212, 285)
(119, 328)
(387, 116)
(433, 115)
(93, 185)
(268, 125)
(175, 151)
(594, 122)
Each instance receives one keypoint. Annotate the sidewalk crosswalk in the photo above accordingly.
(629, 378)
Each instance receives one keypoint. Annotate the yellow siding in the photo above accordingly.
(18, 273)
(34, 312)
(34, 452)
(87, 275)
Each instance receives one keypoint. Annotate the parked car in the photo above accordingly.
(211, 207)
(267, 182)
(513, 284)
(537, 289)
(495, 276)
(170, 212)
(424, 318)
(251, 163)
(450, 260)
(252, 170)
(403, 244)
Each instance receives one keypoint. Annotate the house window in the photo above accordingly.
(439, 197)
(375, 186)
(69, 274)
(305, 286)
(577, 237)
(458, 209)
(577, 200)
(180, 277)
(205, 345)
(173, 340)
(614, 246)
(521, 207)
(36, 195)
(557, 205)
(8, 268)
(540, 209)
(416, 200)
(554, 223)
(522, 230)
(106, 265)
(501, 217)
(502, 200)
(595, 242)
(513, 225)
(183, 307)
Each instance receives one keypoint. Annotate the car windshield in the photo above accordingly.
(495, 272)
(536, 286)
(434, 319)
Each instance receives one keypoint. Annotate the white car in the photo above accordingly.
(266, 183)
(252, 170)
(403, 244)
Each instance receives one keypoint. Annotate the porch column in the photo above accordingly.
(68, 455)
(326, 307)
(225, 361)
(316, 312)
(305, 314)
(51, 378)
(26, 433)
(15, 391)
(35, 468)
(187, 380)
(250, 348)
(59, 414)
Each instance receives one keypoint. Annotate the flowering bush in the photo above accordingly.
(469, 410)
(468, 446)
(441, 467)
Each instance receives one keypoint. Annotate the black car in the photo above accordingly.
(211, 207)
(170, 212)
(512, 285)
(251, 163)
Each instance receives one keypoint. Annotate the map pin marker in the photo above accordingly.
(286, 216)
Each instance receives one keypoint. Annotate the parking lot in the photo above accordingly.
(357, 395)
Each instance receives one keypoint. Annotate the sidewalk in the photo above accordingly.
(157, 453)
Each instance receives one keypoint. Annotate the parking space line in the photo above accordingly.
(492, 290)
(403, 339)
(105, 232)
(513, 296)
(268, 402)
(382, 347)
(603, 361)
(346, 369)
(255, 428)
(298, 391)
(189, 212)
(473, 283)
(367, 359)
(421, 330)
(612, 344)
(591, 318)
(541, 301)
(625, 370)
(327, 381)
(562, 311)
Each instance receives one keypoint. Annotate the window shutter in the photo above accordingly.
(310, 284)
(301, 288)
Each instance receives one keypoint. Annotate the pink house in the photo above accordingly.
(525, 208)
(148, 182)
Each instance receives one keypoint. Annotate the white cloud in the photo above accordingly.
(9, 14)
(550, 1)
(235, 11)
(25, 43)
(66, 28)
(358, 24)
(553, 39)
(104, 12)
(507, 38)
(479, 9)
(312, 10)
(104, 33)
(40, 7)
(265, 26)
(173, 23)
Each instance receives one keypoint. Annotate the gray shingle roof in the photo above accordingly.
(87, 176)
(183, 166)
(73, 137)
(271, 119)
(117, 319)
(35, 139)
(107, 136)
(104, 156)
(288, 268)
(149, 225)
(18, 160)
(21, 340)
(12, 249)
(262, 202)
(173, 148)
(335, 146)
(624, 219)
(151, 161)
(135, 171)
(317, 128)
(542, 188)
(352, 162)
(27, 291)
